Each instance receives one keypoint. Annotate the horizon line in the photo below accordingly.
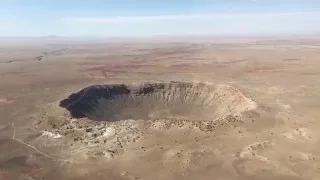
(179, 17)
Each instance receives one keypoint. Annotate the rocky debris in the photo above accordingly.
(51, 134)
(89, 129)
(39, 58)
(12, 61)
(117, 135)
(4, 100)
(47, 54)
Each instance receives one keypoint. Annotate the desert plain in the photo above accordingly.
(168, 109)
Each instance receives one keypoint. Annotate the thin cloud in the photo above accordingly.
(128, 19)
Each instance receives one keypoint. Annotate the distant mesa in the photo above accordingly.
(51, 36)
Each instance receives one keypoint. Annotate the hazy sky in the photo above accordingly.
(158, 17)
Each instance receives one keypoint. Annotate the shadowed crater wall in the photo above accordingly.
(172, 100)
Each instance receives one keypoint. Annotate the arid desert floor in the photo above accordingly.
(160, 110)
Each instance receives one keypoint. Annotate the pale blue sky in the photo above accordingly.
(162, 17)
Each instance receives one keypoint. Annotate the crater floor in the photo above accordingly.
(151, 101)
